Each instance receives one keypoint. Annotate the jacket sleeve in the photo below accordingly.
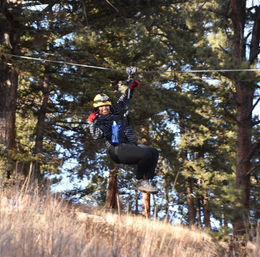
(123, 100)
(95, 131)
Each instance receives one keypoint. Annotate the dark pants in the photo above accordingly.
(145, 157)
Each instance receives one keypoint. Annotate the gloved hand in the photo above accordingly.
(92, 117)
(134, 84)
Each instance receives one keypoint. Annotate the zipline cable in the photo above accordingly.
(59, 62)
(111, 69)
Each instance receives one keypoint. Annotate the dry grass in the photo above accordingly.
(34, 225)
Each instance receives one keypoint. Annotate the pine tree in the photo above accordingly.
(9, 39)
(194, 119)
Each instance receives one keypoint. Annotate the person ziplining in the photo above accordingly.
(111, 122)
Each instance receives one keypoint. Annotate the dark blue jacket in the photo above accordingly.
(102, 126)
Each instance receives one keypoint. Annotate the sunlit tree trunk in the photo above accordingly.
(146, 205)
(111, 200)
(146, 197)
(244, 98)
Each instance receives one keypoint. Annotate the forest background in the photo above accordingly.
(199, 71)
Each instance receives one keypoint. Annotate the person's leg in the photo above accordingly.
(133, 154)
(145, 157)
(113, 154)
(151, 165)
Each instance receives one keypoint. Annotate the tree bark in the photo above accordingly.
(8, 92)
(41, 126)
(225, 221)
(198, 210)
(166, 200)
(111, 200)
(244, 99)
(146, 205)
(190, 202)
(146, 197)
(238, 19)
(9, 37)
(206, 210)
(244, 145)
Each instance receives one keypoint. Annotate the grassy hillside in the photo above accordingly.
(34, 225)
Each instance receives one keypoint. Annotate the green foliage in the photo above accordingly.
(190, 116)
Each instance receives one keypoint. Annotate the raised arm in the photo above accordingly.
(124, 99)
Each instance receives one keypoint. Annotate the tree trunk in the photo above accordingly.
(225, 221)
(198, 210)
(111, 198)
(146, 197)
(244, 146)
(190, 202)
(41, 126)
(8, 90)
(244, 99)
(166, 200)
(146, 205)
(206, 210)
(189, 180)
(8, 84)
(136, 203)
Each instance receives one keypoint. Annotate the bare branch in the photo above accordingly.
(255, 123)
(253, 149)
(257, 101)
(112, 5)
(50, 4)
(256, 167)
(84, 9)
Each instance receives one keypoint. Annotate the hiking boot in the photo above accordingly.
(145, 185)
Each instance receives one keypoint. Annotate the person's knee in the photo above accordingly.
(155, 153)
(149, 153)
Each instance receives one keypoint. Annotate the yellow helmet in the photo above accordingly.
(101, 100)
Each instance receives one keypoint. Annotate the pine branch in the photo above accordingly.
(50, 4)
(255, 168)
(255, 147)
(229, 114)
(255, 123)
